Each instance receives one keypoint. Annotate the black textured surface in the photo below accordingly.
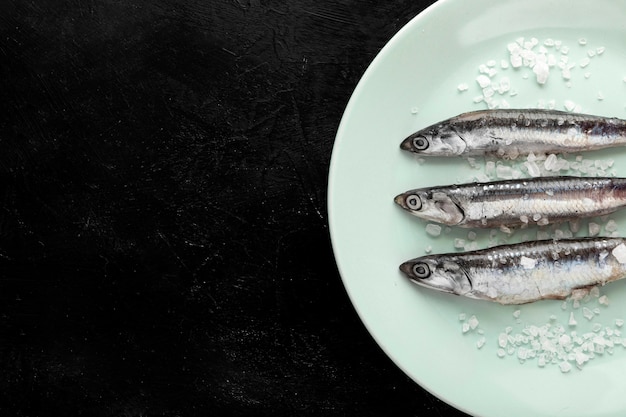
(164, 247)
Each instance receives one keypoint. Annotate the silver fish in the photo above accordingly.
(524, 272)
(521, 202)
(507, 133)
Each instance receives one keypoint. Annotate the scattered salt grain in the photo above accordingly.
(604, 300)
(588, 314)
(572, 321)
(465, 327)
(462, 87)
(428, 249)
(600, 50)
(433, 229)
(565, 367)
(582, 41)
(533, 168)
(459, 243)
(527, 263)
(481, 342)
(501, 353)
(542, 71)
(611, 226)
(569, 105)
(594, 229)
(503, 339)
(504, 172)
(462, 317)
(600, 96)
(619, 322)
(483, 81)
(595, 291)
(620, 253)
(550, 162)
(415, 110)
(584, 62)
(471, 235)
(473, 322)
(543, 222)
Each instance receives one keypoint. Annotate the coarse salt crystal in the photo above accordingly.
(428, 249)
(619, 252)
(572, 321)
(433, 229)
(619, 322)
(604, 300)
(473, 322)
(527, 263)
(462, 87)
(565, 367)
(600, 50)
(483, 81)
(550, 162)
(465, 327)
(481, 342)
(459, 243)
(504, 171)
(594, 229)
(611, 226)
(503, 339)
(582, 41)
(595, 291)
(588, 314)
(542, 71)
(569, 105)
(471, 235)
(533, 168)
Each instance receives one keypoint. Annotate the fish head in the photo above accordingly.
(437, 140)
(438, 273)
(436, 206)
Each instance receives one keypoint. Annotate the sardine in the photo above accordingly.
(520, 202)
(507, 133)
(524, 272)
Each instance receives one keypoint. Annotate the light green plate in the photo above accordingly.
(411, 84)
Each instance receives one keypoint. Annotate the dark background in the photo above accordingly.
(164, 246)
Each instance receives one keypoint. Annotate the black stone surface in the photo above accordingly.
(164, 248)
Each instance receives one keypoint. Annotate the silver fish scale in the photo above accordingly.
(508, 133)
(579, 264)
(513, 132)
(516, 202)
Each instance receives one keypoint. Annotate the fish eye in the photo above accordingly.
(421, 270)
(420, 143)
(413, 202)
